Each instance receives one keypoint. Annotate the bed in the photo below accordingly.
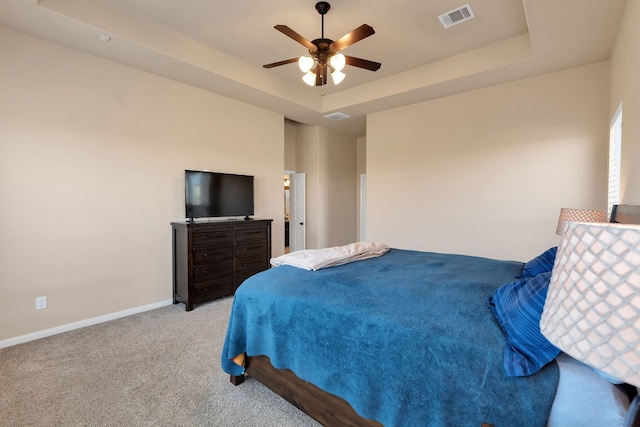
(406, 338)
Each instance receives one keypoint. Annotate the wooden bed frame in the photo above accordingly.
(331, 410)
(326, 408)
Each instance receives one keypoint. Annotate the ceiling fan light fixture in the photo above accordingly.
(305, 63)
(338, 62)
(323, 52)
(337, 76)
(309, 78)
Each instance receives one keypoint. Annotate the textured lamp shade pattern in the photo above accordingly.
(580, 215)
(592, 310)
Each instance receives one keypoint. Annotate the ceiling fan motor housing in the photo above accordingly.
(323, 7)
(323, 53)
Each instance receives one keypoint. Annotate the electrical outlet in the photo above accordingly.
(41, 302)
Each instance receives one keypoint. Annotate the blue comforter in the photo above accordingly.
(407, 338)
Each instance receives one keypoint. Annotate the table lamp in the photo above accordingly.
(580, 215)
(592, 310)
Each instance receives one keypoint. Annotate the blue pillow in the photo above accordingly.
(543, 263)
(517, 307)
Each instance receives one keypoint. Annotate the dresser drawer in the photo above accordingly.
(211, 282)
(207, 254)
(257, 232)
(251, 248)
(206, 291)
(206, 272)
(212, 236)
(251, 264)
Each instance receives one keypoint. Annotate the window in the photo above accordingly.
(615, 145)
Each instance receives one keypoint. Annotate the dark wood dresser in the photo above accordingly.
(211, 259)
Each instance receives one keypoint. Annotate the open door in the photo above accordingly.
(297, 221)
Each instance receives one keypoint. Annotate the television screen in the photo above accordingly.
(212, 194)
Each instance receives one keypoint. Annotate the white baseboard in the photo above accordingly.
(82, 323)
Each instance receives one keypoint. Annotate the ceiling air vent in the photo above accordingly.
(337, 116)
(456, 16)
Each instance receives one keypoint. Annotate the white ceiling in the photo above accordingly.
(221, 45)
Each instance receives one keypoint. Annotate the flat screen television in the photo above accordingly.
(213, 194)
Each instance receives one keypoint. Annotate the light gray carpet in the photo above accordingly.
(158, 368)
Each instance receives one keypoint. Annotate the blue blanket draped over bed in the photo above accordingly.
(407, 338)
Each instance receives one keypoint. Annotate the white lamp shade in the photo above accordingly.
(305, 63)
(592, 310)
(309, 78)
(338, 62)
(337, 77)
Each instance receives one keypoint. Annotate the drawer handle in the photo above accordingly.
(206, 236)
(221, 251)
(252, 232)
(204, 271)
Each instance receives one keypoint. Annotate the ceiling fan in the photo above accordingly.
(324, 54)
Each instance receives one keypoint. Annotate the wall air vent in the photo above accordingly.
(456, 16)
(337, 116)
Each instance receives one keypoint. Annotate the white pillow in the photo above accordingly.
(586, 399)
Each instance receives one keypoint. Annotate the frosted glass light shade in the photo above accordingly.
(338, 62)
(337, 77)
(309, 78)
(592, 310)
(305, 63)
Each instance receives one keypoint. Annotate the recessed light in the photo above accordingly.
(104, 38)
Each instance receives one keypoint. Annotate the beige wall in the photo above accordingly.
(289, 145)
(92, 160)
(338, 189)
(328, 159)
(625, 88)
(486, 172)
(361, 169)
(307, 162)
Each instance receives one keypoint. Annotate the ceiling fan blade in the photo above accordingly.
(297, 37)
(277, 64)
(362, 63)
(363, 31)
